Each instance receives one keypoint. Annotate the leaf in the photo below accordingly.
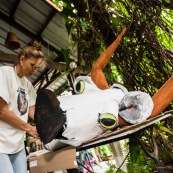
(66, 53)
(64, 4)
(165, 129)
(115, 21)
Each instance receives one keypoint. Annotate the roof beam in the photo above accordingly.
(42, 78)
(14, 8)
(8, 58)
(13, 23)
(53, 5)
(13, 59)
(49, 79)
(49, 18)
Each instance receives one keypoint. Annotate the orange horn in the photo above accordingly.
(97, 74)
(106, 55)
(163, 97)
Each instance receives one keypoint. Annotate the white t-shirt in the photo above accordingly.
(19, 94)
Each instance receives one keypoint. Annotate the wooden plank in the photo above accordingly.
(122, 133)
(8, 58)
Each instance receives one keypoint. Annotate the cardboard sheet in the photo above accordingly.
(54, 161)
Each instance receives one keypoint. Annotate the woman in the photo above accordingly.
(17, 100)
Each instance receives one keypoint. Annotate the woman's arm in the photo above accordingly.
(10, 118)
(31, 111)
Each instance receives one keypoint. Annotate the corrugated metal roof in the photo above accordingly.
(31, 20)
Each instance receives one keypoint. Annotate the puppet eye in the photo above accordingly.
(107, 120)
(80, 86)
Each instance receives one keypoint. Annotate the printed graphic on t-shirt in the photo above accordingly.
(22, 101)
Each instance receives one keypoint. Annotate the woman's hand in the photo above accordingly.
(32, 131)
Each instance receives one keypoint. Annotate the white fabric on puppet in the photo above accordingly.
(135, 107)
(84, 84)
(86, 111)
(83, 111)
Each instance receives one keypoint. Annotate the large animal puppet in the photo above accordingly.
(95, 108)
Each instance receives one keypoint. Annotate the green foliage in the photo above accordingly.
(112, 168)
(144, 59)
(164, 38)
(66, 53)
(137, 162)
(106, 152)
(120, 7)
(117, 77)
(160, 126)
(114, 20)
